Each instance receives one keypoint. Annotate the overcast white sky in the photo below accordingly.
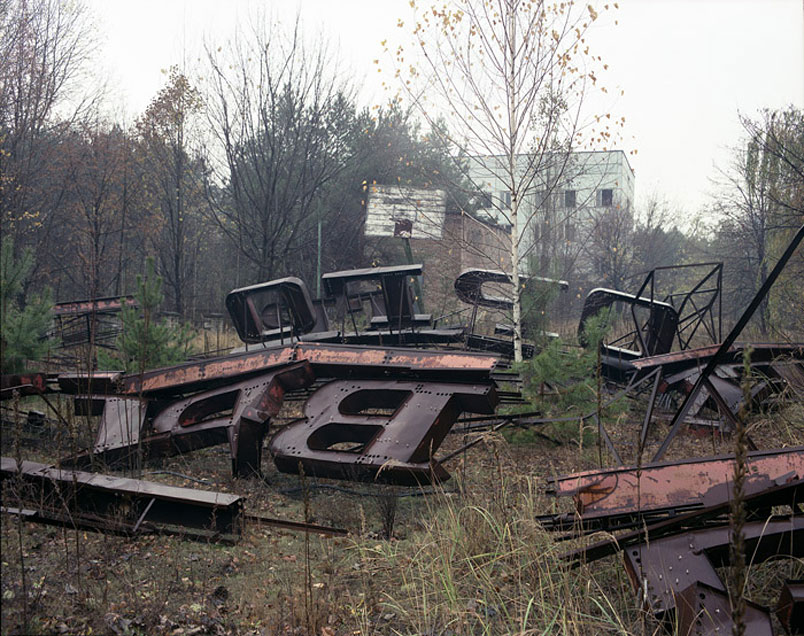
(688, 67)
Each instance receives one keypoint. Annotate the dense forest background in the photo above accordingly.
(233, 172)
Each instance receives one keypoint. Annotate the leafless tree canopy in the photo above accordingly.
(277, 112)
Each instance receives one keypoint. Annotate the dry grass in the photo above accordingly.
(469, 559)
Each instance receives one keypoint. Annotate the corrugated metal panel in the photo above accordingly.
(389, 207)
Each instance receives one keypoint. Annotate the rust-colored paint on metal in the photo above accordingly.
(761, 352)
(787, 494)
(687, 484)
(112, 304)
(122, 505)
(22, 383)
(377, 430)
(790, 608)
(413, 359)
(198, 375)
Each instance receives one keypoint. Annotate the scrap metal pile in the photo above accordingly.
(671, 523)
(384, 384)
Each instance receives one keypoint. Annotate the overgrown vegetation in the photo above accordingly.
(24, 319)
(564, 382)
(146, 342)
(468, 559)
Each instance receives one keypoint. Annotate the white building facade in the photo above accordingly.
(562, 199)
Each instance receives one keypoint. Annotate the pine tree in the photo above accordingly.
(23, 324)
(145, 343)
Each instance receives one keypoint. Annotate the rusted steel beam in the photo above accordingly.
(625, 494)
(787, 494)
(118, 504)
(298, 526)
(96, 383)
(357, 361)
(691, 358)
(379, 430)
(790, 608)
(23, 384)
(329, 360)
(206, 374)
(112, 304)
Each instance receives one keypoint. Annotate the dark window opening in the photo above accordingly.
(606, 197)
(569, 198)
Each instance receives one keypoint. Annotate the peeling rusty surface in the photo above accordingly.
(362, 359)
(199, 375)
(757, 505)
(339, 360)
(22, 383)
(674, 485)
(343, 436)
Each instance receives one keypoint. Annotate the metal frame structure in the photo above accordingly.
(232, 401)
(76, 321)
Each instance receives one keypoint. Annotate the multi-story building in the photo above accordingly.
(562, 200)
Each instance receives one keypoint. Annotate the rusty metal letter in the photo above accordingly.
(378, 429)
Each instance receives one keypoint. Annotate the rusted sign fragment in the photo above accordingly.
(663, 568)
(377, 429)
(120, 505)
(238, 414)
(677, 574)
(279, 310)
(651, 335)
(23, 384)
(704, 610)
(673, 486)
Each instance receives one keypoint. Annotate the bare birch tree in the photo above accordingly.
(509, 78)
